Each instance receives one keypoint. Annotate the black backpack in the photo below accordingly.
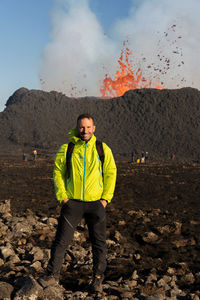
(70, 149)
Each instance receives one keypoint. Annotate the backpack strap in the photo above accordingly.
(99, 146)
(68, 157)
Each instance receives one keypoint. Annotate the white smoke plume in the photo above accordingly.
(74, 60)
(163, 35)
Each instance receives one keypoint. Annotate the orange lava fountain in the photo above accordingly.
(125, 79)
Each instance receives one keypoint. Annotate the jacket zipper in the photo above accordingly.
(84, 171)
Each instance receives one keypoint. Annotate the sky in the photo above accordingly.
(70, 45)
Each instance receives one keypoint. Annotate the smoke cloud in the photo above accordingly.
(163, 36)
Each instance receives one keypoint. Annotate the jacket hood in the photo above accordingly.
(74, 138)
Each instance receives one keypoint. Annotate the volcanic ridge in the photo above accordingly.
(161, 122)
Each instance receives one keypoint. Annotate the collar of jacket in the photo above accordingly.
(75, 139)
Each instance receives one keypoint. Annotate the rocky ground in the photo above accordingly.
(153, 234)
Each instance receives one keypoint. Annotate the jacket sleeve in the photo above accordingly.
(59, 173)
(109, 174)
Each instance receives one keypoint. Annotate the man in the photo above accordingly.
(35, 154)
(85, 193)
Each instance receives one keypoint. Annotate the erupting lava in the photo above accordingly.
(125, 79)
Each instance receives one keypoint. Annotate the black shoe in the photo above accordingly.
(48, 280)
(96, 285)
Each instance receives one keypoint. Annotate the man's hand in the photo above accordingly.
(64, 201)
(104, 202)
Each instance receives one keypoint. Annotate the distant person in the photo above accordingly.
(24, 157)
(84, 189)
(138, 160)
(132, 157)
(172, 156)
(143, 158)
(146, 156)
(35, 154)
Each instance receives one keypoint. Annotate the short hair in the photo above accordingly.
(84, 116)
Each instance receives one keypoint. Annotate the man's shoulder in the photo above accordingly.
(64, 145)
(107, 150)
(105, 146)
(63, 148)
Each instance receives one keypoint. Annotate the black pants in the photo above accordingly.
(71, 214)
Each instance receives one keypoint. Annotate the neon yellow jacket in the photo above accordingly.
(85, 182)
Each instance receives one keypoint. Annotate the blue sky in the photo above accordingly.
(60, 44)
(24, 31)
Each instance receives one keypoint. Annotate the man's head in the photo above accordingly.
(85, 127)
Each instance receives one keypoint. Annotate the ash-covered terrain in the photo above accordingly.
(160, 122)
(153, 234)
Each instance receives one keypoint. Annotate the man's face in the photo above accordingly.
(86, 129)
